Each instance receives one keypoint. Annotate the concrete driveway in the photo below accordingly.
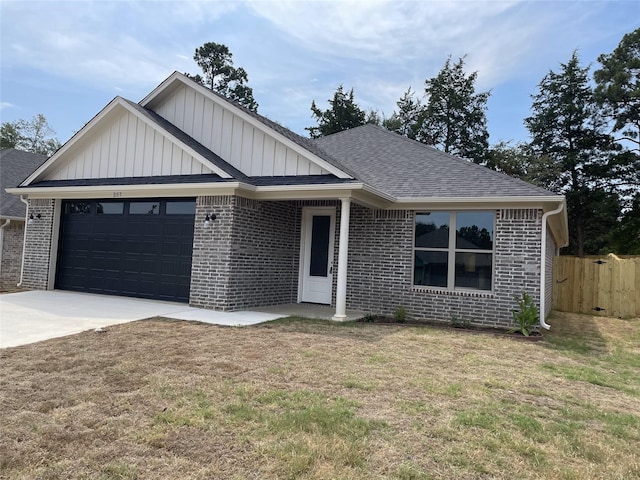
(29, 317)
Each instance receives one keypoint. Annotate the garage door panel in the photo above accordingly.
(142, 255)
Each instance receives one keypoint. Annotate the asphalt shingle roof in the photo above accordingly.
(15, 166)
(186, 179)
(402, 167)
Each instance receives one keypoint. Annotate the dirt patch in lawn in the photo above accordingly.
(310, 399)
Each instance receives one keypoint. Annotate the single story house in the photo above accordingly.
(186, 196)
(15, 166)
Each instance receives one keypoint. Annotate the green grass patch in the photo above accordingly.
(188, 408)
(301, 428)
(119, 471)
(312, 400)
(623, 380)
(476, 419)
(358, 384)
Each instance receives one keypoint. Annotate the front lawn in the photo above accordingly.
(297, 398)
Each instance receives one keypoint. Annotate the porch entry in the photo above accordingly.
(316, 256)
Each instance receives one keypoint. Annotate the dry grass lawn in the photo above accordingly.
(159, 399)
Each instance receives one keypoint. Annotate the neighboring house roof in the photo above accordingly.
(403, 168)
(15, 166)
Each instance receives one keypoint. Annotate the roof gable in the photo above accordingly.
(405, 168)
(123, 141)
(249, 142)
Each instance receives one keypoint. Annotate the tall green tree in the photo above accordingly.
(10, 135)
(405, 121)
(567, 127)
(521, 162)
(35, 135)
(618, 92)
(343, 113)
(626, 237)
(453, 118)
(219, 74)
(618, 87)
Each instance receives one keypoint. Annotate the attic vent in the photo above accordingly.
(247, 203)
(390, 214)
(316, 203)
(519, 214)
(41, 202)
(215, 200)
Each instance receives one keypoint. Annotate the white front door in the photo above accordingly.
(316, 255)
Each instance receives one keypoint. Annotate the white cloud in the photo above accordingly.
(297, 51)
(386, 30)
(132, 43)
(4, 105)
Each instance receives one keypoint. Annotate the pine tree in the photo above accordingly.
(343, 114)
(567, 127)
(453, 118)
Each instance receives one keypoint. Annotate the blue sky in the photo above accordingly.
(67, 60)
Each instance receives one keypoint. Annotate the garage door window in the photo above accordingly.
(77, 207)
(144, 208)
(110, 208)
(181, 208)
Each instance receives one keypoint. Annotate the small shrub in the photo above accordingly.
(457, 322)
(526, 315)
(400, 315)
(369, 318)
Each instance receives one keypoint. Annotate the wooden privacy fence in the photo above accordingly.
(598, 285)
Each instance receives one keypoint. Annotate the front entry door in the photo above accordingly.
(318, 230)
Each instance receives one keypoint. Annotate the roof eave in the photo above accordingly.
(531, 201)
(13, 218)
(128, 191)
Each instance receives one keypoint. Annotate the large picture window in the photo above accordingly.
(454, 250)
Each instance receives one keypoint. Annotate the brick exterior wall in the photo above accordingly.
(12, 241)
(249, 257)
(38, 245)
(259, 267)
(381, 259)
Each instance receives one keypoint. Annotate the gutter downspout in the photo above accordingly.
(24, 241)
(5, 224)
(543, 270)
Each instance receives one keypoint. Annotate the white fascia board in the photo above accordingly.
(129, 191)
(299, 192)
(359, 192)
(12, 218)
(164, 86)
(178, 77)
(474, 203)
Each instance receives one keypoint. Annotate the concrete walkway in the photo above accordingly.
(33, 316)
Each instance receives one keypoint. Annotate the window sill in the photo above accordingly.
(460, 293)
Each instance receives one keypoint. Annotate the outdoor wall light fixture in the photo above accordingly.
(209, 218)
(38, 216)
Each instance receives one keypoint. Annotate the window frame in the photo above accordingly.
(451, 252)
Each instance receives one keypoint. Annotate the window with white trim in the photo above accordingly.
(454, 250)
